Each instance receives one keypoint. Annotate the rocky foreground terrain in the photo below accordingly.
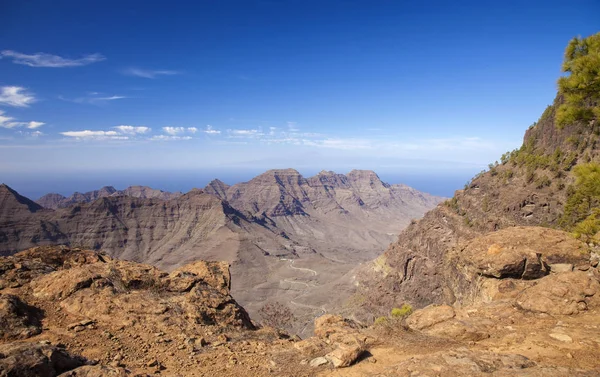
(73, 312)
(290, 239)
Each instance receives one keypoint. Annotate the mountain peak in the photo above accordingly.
(12, 201)
(282, 172)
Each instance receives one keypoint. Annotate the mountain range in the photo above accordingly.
(287, 237)
(54, 200)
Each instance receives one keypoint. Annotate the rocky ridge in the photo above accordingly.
(55, 201)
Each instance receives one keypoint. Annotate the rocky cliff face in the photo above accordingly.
(329, 212)
(55, 201)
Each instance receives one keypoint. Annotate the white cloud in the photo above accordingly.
(173, 130)
(192, 130)
(132, 130)
(169, 138)
(95, 135)
(248, 133)
(148, 73)
(41, 59)
(210, 131)
(9, 122)
(5, 121)
(33, 125)
(15, 96)
(88, 133)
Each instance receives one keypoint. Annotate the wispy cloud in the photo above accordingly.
(179, 130)
(33, 125)
(93, 98)
(245, 133)
(15, 96)
(95, 135)
(149, 73)
(169, 138)
(210, 130)
(9, 122)
(5, 121)
(173, 130)
(41, 59)
(132, 130)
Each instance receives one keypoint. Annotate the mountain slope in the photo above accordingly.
(544, 183)
(345, 217)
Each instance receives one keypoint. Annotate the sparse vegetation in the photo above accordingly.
(401, 312)
(581, 212)
(276, 315)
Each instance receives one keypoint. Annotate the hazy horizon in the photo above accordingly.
(35, 186)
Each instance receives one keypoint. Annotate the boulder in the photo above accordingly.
(329, 324)
(318, 361)
(520, 252)
(97, 371)
(345, 353)
(35, 359)
(567, 293)
(17, 319)
(429, 316)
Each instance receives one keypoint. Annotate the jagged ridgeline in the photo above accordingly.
(552, 181)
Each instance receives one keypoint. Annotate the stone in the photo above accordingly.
(35, 359)
(345, 354)
(561, 267)
(429, 316)
(566, 294)
(318, 361)
(18, 320)
(562, 337)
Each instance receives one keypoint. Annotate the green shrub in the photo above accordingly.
(401, 312)
(380, 321)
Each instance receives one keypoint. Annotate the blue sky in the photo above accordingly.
(431, 87)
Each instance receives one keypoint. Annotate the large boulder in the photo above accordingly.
(343, 334)
(568, 293)
(430, 316)
(17, 319)
(441, 321)
(36, 360)
(520, 253)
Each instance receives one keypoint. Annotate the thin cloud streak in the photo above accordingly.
(41, 59)
(148, 73)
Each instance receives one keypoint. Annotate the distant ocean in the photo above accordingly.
(34, 186)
